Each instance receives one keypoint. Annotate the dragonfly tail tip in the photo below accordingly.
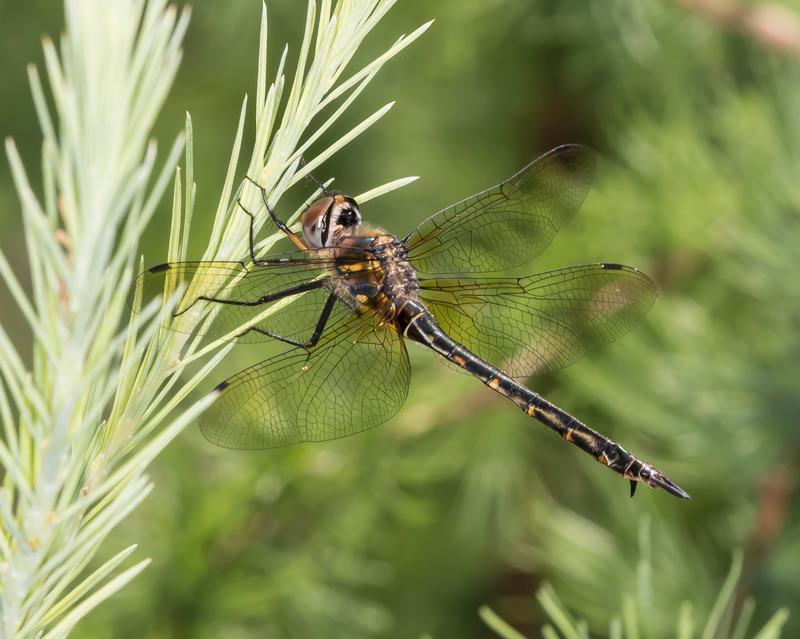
(671, 487)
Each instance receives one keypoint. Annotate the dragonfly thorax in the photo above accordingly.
(330, 218)
(400, 277)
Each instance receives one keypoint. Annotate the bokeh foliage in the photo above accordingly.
(461, 501)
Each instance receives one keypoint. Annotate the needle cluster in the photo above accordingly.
(95, 404)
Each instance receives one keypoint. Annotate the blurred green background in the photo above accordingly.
(461, 500)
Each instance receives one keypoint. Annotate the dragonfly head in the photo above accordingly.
(330, 218)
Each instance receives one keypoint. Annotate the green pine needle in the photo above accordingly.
(101, 403)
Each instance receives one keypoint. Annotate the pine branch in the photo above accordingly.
(723, 621)
(100, 404)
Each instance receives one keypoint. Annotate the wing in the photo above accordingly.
(507, 225)
(201, 288)
(355, 378)
(544, 321)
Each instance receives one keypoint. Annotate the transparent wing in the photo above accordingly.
(541, 322)
(507, 225)
(193, 282)
(355, 378)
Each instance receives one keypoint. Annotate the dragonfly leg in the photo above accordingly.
(312, 341)
(252, 229)
(280, 224)
(264, 299)
(314, 180)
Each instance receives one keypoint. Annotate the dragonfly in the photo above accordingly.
(357, 294)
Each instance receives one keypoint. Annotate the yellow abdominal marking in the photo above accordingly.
(458, 359)
(494, 384)
(531, 411)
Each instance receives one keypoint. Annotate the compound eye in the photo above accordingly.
(314, 221)
(314, 213)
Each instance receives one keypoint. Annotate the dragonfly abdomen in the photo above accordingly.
(416, 322)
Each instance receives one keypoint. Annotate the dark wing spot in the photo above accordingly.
(612, 267)
(222, 386)
(159, 268)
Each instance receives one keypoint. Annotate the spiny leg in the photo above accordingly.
(264, 299)
(312, 341)
(281, 225)
(252, 229)
(314, 179)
